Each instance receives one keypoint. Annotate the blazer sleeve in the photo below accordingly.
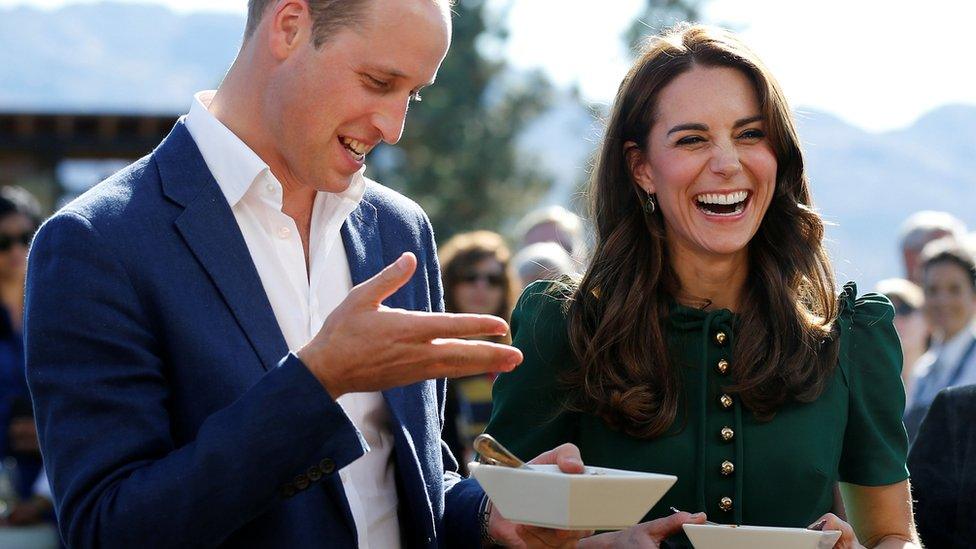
(936, 473)
(98, 375)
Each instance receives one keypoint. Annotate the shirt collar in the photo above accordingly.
(233, 164)
(237, 168)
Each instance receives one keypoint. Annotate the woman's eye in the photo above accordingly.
(753, 134)
(691, 140)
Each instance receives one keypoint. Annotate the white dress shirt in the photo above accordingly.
(302, 296)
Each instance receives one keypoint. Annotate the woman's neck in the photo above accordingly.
(717, 281)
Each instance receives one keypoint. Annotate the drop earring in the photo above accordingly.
(650, 204)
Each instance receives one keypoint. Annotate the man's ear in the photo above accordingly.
(640, 170)
(290, 22)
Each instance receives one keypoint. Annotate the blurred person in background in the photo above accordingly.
(707, 339)
(478, 278)
(949, 282)
(553, 224)
(542, 261)
(943, 477)
(907, 299)
(921, 228)
(20, 215)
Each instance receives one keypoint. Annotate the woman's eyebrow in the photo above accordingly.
(704, 127)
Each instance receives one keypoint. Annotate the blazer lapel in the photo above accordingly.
(364, 249)
(209, 228)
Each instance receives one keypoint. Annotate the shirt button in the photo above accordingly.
(725, 401)
(725, 504)
(727, 468)
(721, 338)
(284, 232)
(288, 491)
(727, 434)
(271, 187)
(301, 481)
(722, 367)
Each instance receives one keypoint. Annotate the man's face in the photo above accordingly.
(328, 107)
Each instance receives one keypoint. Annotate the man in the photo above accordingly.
(921, 228)
(218, 355)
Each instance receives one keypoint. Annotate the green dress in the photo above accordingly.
(735, 468)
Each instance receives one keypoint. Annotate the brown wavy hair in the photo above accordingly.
(784, 349)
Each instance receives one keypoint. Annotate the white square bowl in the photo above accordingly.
(720, 536)
(599, 499)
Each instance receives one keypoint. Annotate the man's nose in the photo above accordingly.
(389, 119)
(725, 160)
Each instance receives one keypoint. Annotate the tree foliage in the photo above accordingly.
(457, 157)
(661, 14)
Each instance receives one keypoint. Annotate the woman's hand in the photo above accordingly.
(646, 535)
(510, 534)
(848, 540)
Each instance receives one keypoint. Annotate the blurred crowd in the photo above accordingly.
(934, 307)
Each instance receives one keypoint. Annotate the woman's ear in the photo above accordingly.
(640, 170)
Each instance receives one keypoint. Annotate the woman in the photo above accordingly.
(949, 283)
(706, 339)
(477, 279)
(19, 218)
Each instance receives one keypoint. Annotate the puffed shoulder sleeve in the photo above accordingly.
(875, 444)
(527, 403)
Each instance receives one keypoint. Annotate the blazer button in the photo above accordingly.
(327, 465)
(288, 491)
(727, 434)
(725, 504)
(727, 468)
(721, 338)
(722, 367)
(301, 482)
(726, 401)
(315, 473)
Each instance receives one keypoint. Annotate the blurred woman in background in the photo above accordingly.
(20, 215)
(478, 278)
(706, 339)
(949, 282)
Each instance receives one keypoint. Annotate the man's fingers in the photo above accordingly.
(459, 358)
(422, 326)
(386, 282)
(665, 527)
(567, 457)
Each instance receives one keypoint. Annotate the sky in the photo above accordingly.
(872, 63)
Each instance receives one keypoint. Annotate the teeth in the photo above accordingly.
(356, 146)
(722, 199)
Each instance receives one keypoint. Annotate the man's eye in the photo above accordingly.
(377, 83)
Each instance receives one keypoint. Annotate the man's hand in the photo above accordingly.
(510, 534)
(364, 346)
(646, 535)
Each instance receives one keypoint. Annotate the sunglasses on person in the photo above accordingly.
(7, 241)
(492, 279)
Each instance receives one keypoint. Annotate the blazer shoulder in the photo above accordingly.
(128, 196)
(391, 205)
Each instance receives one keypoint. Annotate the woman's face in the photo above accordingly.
(950, 300)
(15, 229)
(480, 289)
(708, 162)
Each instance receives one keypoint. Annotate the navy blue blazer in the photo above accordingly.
(169, 410)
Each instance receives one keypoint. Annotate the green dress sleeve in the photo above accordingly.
(527, 403)
(875, 443)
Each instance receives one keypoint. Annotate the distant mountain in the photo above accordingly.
(141, 57)
(112, 57)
